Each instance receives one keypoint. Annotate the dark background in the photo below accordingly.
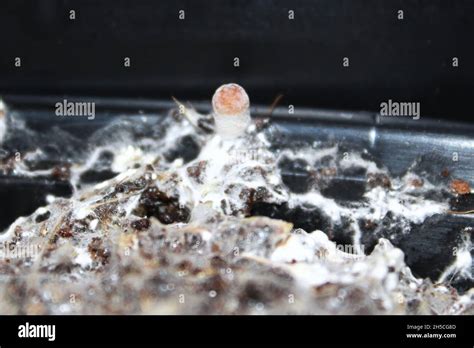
(408, 60)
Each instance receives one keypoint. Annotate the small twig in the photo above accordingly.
(461, 212)
(114, 200)
(185, 113)
(274, 104)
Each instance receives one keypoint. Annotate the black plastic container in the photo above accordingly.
(435, 147)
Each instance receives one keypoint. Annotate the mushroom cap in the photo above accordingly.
(230, 99)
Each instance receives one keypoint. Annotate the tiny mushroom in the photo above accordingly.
(230, 104)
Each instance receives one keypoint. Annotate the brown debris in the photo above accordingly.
(62, 172)
(417, 183)
(154, 202)
(378, 179)
(140, 225)
(97, 251)
(460, 187)
(195, 171)
(65, 232)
